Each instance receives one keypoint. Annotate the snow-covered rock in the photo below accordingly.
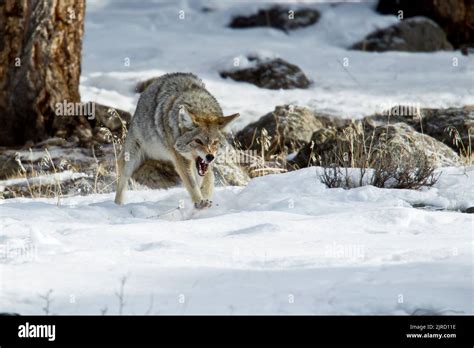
(416, 34)
(400, 139)
(452, 126)
(282, 18)
(287, 128)
(269, 73)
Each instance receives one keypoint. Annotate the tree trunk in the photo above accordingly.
(40, 55)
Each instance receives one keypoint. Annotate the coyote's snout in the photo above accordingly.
(178, 121)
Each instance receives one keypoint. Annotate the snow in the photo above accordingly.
(46, 179)
(283, 244)
(54, 152)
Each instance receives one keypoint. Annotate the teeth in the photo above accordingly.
(201, 166)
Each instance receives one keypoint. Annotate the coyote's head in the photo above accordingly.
(201, 137)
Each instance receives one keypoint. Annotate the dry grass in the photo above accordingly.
(264, 161)
(28, 171)
(117, 142)
(465, 150)
(274, 144)
(387, 165)
(101, 177)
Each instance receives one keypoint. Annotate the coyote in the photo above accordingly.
(179, 122)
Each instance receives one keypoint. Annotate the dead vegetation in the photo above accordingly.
(361, 158)
(263, 161)
(464, 149)
(35, 175)
(273, 138)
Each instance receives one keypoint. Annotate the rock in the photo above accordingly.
(437, 123)
(399, 140)
(270, 73)
(229, 167)
(287, 128)
(417, 34)
(279, 18)
(456, 17)
(466, 50)
(107, 122)
(409, 140)
(207, 9)
(110, 117)
(8, 166)
(156, 175)
(321, 144)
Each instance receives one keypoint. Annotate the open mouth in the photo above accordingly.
(201, 166)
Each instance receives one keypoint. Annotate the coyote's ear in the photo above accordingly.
(224, 121)
(186, 119)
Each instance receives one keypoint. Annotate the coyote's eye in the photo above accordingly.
(198, 141)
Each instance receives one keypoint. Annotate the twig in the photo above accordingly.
(47, 299)
(120, 295)
(150, 306)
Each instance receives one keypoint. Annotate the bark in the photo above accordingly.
(40, 55)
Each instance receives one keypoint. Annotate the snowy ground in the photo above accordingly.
(284, 243)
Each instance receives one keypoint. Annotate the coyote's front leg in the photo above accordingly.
(185, 171)
(207, 187)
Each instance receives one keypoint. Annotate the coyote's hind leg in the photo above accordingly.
(129, 160)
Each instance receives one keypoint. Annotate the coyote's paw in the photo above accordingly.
(203, 204)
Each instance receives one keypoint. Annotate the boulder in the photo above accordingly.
(417, 34)
(451, 126)
(156, 175)
(9, 166)
(455, 17)
(229, 168)
(353, 143)
(287, 129)
(110, 117)
(269, 73)
(277, 17)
